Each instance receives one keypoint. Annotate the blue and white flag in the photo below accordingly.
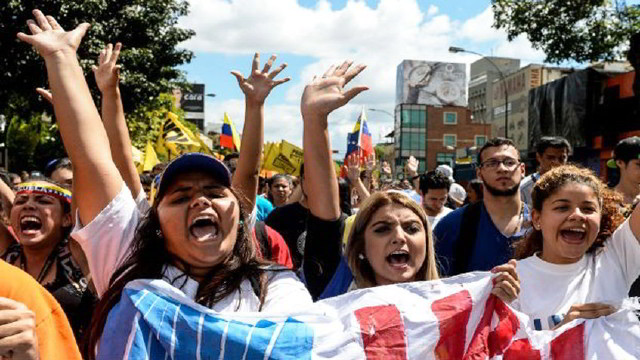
(455, 318)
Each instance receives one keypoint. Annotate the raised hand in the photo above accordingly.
(386, 168)
(46, 94)
(353, 168)
(370, 163)
(49, 38)
(107, 73)
(325, 94)
(412, 166)
(258, 85)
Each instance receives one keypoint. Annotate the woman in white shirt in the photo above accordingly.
(196, 235)
(578, 262)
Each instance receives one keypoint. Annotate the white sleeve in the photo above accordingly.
(142, 203)
(626, 249)
(106, 239)
(286, 293)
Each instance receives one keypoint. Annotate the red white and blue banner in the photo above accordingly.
(455, 318)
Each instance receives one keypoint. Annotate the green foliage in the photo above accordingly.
(585, 30)
(32, 143)
(146, 28)
(149, 59)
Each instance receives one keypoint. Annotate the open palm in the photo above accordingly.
(258, 85)
(49, 38)
(107, 74)
(325, 94)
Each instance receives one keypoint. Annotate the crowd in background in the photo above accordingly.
(88, 225)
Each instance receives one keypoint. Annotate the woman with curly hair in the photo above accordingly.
(581, 257)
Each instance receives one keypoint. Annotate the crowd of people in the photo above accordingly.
(78, 233)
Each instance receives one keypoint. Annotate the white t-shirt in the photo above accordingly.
(547, 290)
(433, 220)
(107, 238)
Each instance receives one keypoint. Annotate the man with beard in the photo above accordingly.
(479, 236)
(434, 189)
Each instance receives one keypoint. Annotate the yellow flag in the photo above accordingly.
(150, 158)
(284, 158)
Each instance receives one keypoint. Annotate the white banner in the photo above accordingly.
(455, 318)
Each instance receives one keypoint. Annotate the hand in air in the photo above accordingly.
(49, 38)
(353, 167)
(259, 84)
(107, 73)
(412, 166)
(325, 94)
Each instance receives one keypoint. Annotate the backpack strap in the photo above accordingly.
(467, 237)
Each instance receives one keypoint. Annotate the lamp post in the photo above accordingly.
(455, 49)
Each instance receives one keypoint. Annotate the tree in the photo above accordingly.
(146, 28)
(582, 31)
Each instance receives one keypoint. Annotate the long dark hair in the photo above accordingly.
(549, 184)
(148, 257)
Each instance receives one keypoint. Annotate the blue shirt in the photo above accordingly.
(491, 247)
(264, 208)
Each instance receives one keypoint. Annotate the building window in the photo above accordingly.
(449, 140)
(450, 118)
(445, 158)
(480, 140)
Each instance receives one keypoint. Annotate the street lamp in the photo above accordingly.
(455, 49)
(383, 111)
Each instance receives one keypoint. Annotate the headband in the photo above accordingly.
(45, 189)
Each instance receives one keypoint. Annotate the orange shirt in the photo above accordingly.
(55, 337)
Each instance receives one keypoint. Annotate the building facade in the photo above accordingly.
(435, 135)
(517, 85)
(483, 75)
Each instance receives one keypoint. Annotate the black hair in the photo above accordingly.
(343, 191)
(148, 256)
(275, 178)
(556, 142)
(434, 180)
(233, 155)
(53, 165)
(495, 142)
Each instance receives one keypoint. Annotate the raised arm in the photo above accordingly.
(256, 88)
(353, 171)
(96, 179)
(323, 245)
(321, 97)
(107, 76)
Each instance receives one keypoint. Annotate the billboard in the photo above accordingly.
(193, 105)
(431, 83)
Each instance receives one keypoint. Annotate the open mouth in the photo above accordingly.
(203, 228)
(30, 224)
(398, 258)
(574, 235)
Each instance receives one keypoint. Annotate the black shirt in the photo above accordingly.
(291, 222)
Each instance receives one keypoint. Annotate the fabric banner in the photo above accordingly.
(283, 158)
(455, 318)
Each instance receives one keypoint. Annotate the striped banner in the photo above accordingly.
(456, 318)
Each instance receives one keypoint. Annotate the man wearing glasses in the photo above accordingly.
(479, 236)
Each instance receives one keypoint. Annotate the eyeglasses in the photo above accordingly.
(493, 164)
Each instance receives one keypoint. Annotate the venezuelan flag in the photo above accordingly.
(229, 137)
